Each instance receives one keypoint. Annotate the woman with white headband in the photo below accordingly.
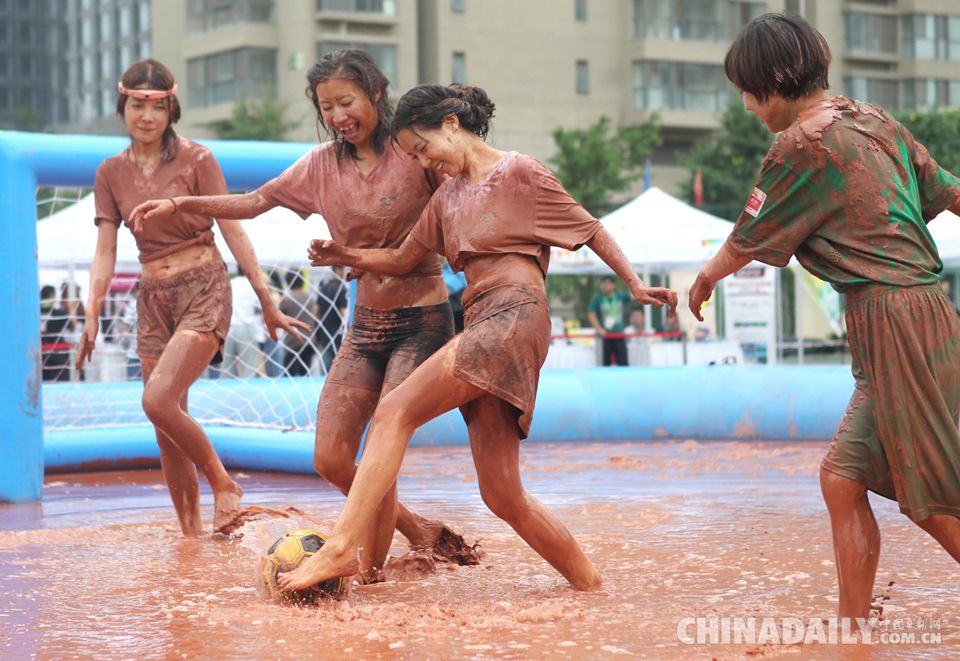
(184, 305)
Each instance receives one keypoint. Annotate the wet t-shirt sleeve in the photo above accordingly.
(105, 205)
(781, 212)
(210, 179)
(559, 220)
(939, 188)
(429, 229)
(296, 187)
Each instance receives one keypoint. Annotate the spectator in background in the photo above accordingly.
(271, 348)
(331, 316)
(456, 283)
(606, 314)
(241, 350)
(128, 334)
(54, 349)
(297, 304)
(638, 321)
(945, 286)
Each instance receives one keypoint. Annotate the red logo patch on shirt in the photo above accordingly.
(755, 203)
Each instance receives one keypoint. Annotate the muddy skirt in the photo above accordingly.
(506, 334)
(899, 436)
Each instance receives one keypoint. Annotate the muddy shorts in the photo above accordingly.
(506, 334)
(385, 346)
(198, 299)
(899, 436)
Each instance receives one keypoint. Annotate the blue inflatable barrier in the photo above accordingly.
(597, 404)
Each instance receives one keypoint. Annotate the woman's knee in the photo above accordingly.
(159, 403)
(395, 410)
(505, 501)
(838, 490)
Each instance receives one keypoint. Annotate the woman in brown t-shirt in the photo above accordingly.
(370, 194)
(495, 220)
(183, 309)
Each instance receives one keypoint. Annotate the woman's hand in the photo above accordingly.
(699, 294)
(88, 339)
(656, 296)
(326, 252)
(274, 319)
(151, 209)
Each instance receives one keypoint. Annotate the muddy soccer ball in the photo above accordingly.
(286, 554)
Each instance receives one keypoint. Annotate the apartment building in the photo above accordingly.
(546, 63)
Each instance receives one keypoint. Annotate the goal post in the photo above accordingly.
(29, 160)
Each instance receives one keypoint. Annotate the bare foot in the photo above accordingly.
(225, 506)
(329, 562)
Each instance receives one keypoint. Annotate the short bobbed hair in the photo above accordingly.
(778, 54)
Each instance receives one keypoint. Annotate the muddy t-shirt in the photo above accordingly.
(847, 190)
(120, 186)
(519, 207)
(375, 210)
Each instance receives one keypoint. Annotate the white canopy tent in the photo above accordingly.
(945, 230)
(68, 238)
(657, 232)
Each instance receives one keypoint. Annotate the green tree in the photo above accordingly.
(254, 120)
(729, 162)
(596, 163)
(939, 132)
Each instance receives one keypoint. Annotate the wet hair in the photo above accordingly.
(152, 75)
(426, 106)
(359, 68)
(778, 54)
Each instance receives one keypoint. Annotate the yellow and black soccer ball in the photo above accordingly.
(285, 555)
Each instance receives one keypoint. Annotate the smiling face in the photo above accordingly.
(146, 120)
(346, 109)
(435, 149)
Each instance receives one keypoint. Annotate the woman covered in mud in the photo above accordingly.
(370, 193)
(848, 190)
(495, 220)
(183, 309)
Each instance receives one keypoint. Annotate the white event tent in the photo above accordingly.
(68, 238)
(657, 232)
(945, 230)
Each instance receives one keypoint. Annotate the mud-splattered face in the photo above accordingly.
(146, 120)
(775, 113)
(435, 149)
(347, 110)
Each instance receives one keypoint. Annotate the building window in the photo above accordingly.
(928, 37)
(245, 73)
(580, 11)
(458, 6)
(705, 20)
(925, 94)
(385, 55)
(384, 7)
(678, 19)
(870, 33)
(881, 91)
(583, 77)
(458, 70)
(679, 85)
(204, 15)
(124, 22)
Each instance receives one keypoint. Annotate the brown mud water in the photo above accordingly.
(678, 530)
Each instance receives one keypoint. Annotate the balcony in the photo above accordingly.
(366, 12)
